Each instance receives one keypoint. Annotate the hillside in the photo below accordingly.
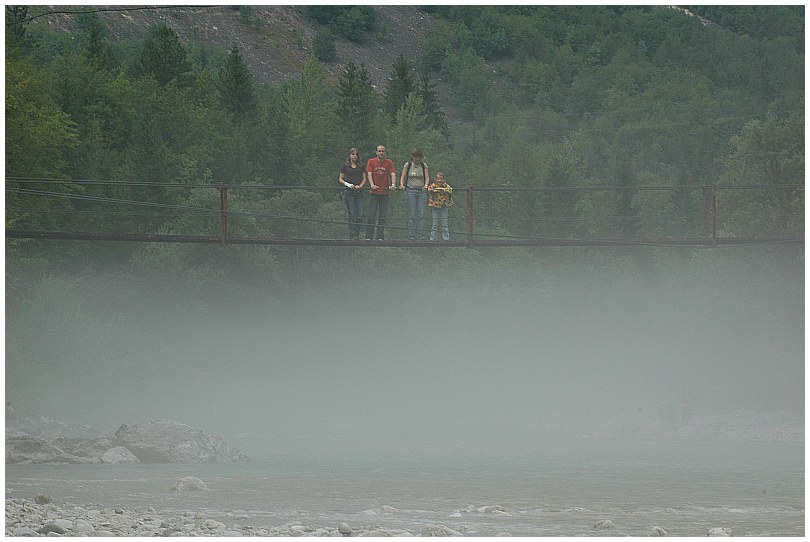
(541, 97)
(275, 40)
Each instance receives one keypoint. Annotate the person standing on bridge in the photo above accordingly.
(353, 178)
(441, 198)
(381, 177)
(414, 180)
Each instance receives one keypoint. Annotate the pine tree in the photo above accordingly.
(356, 103)
(96, 48)
(235, 85)
(163, 56)
(400, 84)
(435, 117)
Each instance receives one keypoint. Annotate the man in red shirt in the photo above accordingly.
(381, 177)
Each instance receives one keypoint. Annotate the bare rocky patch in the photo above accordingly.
(275, 40)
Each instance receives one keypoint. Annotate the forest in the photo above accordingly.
(598, 105)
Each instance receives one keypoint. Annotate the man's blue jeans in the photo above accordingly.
(377, 213)
(417, 202)
(440, 216)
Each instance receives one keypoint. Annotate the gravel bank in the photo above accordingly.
(42, 518)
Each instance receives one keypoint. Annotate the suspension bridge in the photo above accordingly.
(240, 214)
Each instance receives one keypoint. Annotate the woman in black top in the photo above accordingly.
(352, 178)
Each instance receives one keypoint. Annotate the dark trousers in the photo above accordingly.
(377, 211)
(354, 207)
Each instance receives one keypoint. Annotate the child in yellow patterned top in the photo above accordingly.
(440, 198)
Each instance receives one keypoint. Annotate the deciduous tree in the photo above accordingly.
(310, 106)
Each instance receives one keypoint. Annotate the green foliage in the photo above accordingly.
(356, 104)
(15, 25)
(38, 133)
(310, 105)
(245, 13)
(532, 78)
(273, 147)
(490, 33)
(765, 153)
(437, 45)
(430, 104)
(163, 57)
(350, 22)
(471, 83)
(323, 14)
(354, 23)
(96, 48)
(323, 46)
(400, 85)
(761, 22)
(235, 85)
(102, 106)
(413, 129)
(171, 128)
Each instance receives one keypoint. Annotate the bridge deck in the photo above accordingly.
(464, 243)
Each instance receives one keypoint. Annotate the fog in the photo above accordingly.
(413, 361)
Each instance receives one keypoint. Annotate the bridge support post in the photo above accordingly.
(714, 214)
(704, 190)
(470, 223)
(223, 213)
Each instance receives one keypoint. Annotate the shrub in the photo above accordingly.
(323, 45)
(436, 47)
(354, 22)
(350, 22)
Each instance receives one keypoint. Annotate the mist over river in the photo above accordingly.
(530, 397)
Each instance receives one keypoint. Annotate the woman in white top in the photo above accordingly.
(352, 177)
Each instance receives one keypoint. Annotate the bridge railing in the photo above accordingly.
(230, 213)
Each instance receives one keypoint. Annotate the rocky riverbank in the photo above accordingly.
(42, 517)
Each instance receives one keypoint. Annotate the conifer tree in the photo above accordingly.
(400, 84)
(96, 48)
(235, 85)
(163, 56)
(356, 105)
(435, 117)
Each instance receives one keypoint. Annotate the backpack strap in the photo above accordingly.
(408, 170)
